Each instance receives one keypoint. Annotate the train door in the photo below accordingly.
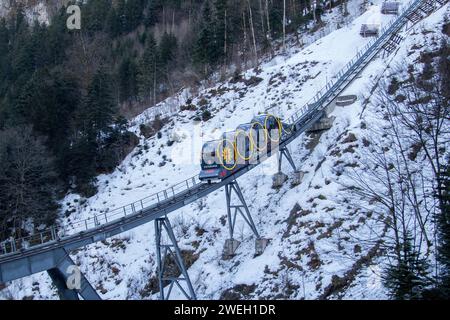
(244, 144)
(271, 124)
(227, 151)
(258, 135)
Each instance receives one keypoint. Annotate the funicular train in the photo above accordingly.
(250, 143)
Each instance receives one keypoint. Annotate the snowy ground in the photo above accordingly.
(310, 244)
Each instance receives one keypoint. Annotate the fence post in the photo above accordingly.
(53, 232)
(13, 245)
(64, 230)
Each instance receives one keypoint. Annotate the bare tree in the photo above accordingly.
(401, 174)
(28, 181)
(402, 167)
(253, 33)
(395, 191)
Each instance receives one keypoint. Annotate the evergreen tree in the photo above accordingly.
(206, 49)
(4, 38)
(40, 54)
(58, 40)
(148, 68)
(94, 13)
(276, 18)
(4, 57)
(134, 11)
(168, 47)
(319, 12)
(20, 22)
(443, 225)
(443, 183)
(99, 108)
(79, 164)
(48, 102)
(408, 277)
(122, 16)
(93, 120)
(151, 13)
(113, 25)
(221, 24)
(22, 56)
(128, 79)
(112, 148)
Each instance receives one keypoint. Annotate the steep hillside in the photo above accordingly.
(319, 246)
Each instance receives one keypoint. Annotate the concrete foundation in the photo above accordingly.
(278, 180)
(260, 245)
(230, 247)
(297, 178)
(322, 124)
(330, 108)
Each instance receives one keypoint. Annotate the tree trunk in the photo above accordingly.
(253, 32)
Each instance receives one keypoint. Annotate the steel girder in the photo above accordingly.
(166, 254)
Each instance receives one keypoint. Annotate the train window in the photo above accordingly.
(270, 123)
(209, 156)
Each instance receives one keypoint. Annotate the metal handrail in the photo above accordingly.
(334, 84)
(53, 233)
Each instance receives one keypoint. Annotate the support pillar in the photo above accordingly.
(58, 280)
(233, 208)
(284, 151)
(280, 178)
(171, 251)
(68, 279)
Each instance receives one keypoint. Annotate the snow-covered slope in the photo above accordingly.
(315, 240)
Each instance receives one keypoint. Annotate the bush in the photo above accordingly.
(206, 115)
(115, 149)
(152, 128)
